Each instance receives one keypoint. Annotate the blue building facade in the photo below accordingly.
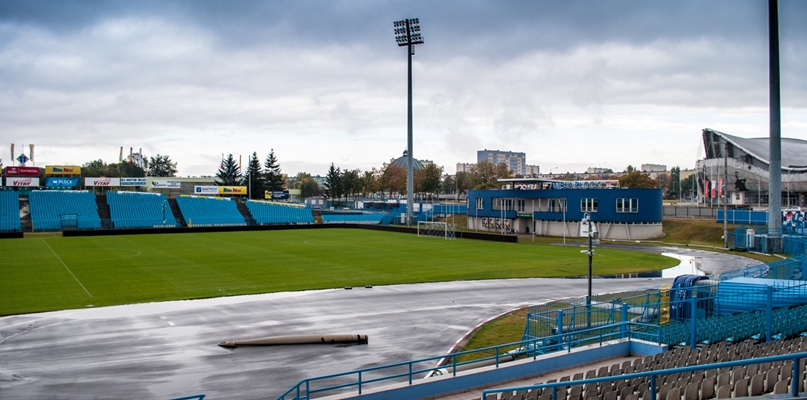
(557, 208)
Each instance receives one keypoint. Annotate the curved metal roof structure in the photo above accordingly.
(403, 162)
(754, 151)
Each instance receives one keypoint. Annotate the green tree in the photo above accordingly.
(482, 174)
(449, 184)
(688, 186)
(675, 182)
(369, 182)
(392, 179)
(294, 183)
(503, 172)
(333, 183)
(308, 187)
(161, 166)
(272, 177)
(229, 173)
(254, 177)
(431, 178)
(637, 180)
(351, 182)
(463, 182)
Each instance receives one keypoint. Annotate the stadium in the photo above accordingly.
(720, 331)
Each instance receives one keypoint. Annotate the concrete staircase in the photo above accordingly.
(177, 213)
(242, 208)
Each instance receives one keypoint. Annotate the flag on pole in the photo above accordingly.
(31, 155)
(140, 157)
(12, 153)
(131, 155)
(120, 156)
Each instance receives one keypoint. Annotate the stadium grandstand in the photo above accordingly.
(352, 218)
(139, 210)
(268, 212)
(9, 211)
(210, 211)
(738, 334)
(53, 210)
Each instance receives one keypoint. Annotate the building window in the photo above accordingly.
(502, 204)
(520, 205)
(557, 205)
(588, 205)
(480, 203)
(624, 205)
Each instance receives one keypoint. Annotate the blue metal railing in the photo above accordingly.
(795, 378)
(530, 348)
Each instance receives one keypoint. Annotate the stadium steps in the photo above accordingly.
(317, 216)
(177, 212)
(103, 211)
(25, 215)
(103, 207)
(242, 208)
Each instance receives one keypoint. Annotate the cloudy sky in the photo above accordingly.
(573, 84)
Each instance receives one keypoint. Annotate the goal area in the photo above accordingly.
(435, 229)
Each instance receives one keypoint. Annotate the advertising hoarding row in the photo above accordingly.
(62, 182)
(22, 171)
(165, 184)
(62, 170)
(214, 190)
(22, 182)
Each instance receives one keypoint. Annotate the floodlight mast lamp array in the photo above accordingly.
(407, 33)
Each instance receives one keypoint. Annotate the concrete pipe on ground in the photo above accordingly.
(297, 339)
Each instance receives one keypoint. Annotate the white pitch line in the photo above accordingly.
(65, 266)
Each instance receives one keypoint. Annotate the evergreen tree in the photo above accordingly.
(162, 166)
(333, 183)
(272, 178)
(254, 177)
(229, 173)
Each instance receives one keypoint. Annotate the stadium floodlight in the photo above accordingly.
(407, 33)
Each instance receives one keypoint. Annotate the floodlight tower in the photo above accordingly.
(407, 33)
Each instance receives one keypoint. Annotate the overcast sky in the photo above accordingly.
(573, 84)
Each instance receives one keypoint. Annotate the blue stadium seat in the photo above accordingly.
(139, 210)
(49, 208)
(277, 213)
(9, 211)
(367, 218)
(210, 211)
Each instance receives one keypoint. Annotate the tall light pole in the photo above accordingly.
(407, 33)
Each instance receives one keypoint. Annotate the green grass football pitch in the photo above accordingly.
(54, 273)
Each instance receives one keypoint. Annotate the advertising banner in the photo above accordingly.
(101, 182)
(62, 182)
(22, 171)
(206, 190)
(165, 184)
(279, 194)
(22, 182)
(606, 184)
(133, 181)
(62, 170)
(242, 190)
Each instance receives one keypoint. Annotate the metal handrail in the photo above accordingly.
(796, 375)
(529, 348)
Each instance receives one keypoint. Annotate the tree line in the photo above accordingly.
(258, 177)
(139, 166)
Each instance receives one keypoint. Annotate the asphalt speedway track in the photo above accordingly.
(162, 350)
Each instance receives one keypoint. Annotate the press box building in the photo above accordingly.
(556, 208)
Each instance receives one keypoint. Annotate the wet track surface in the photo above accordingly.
(162, 350)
